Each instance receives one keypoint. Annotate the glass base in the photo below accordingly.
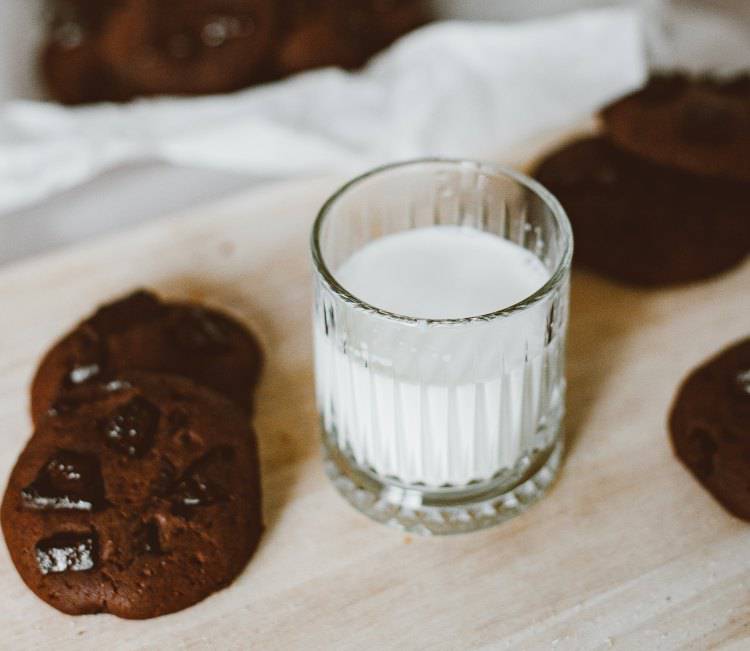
(429, 511)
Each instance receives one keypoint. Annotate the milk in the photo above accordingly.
(439, 403)
(443, 272)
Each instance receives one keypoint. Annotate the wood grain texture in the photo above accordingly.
(625, 552)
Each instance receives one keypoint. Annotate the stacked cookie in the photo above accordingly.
(661, 196)
(114, 50)
(139, 492)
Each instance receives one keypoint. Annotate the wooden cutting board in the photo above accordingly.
(626, 551)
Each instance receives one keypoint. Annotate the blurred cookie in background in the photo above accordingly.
(701, 125)
(315, 36)
(643, 223)
(176, 47)
(70, 61)
(321, 33)
(119, 49)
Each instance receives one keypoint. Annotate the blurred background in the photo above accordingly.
(23, 29)
(270, 75)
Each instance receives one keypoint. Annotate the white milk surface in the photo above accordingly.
(443, 272)
(432, 403)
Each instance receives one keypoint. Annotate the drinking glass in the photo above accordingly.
(441, 426)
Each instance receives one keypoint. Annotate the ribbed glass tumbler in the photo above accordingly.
(441, 425)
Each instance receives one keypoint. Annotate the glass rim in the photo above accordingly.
(557, 211)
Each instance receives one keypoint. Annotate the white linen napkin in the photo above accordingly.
(451, 89)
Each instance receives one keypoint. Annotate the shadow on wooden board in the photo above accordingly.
(602, 315)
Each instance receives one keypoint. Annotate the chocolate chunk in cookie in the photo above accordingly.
(67, 552)
(67, 480)
(699, 125)
(710, 427)
(643, 223)
(132, 427)
(204, 482)
(143, 333)
(144, 524)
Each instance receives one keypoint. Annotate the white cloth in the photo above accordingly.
(453, 88)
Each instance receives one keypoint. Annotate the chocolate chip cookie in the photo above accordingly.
(121, 49)
(70, 61)
(699, 125)
(710, 427)
(643, 223)
(138, 501)
(141, 332)
(181, 47)
(317, 33)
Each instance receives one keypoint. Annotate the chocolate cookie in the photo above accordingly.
(699, 125)
(710, 427)
(143, 333)
(121, 49)
(391, 19)
(139, 503)
(70, 61)
(186, 47)
(74, 75)
(319, 33)
(313, 38)
(643, 223)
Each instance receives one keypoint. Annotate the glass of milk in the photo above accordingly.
(440, 312)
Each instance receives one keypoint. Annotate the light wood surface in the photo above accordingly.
(625, 552)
